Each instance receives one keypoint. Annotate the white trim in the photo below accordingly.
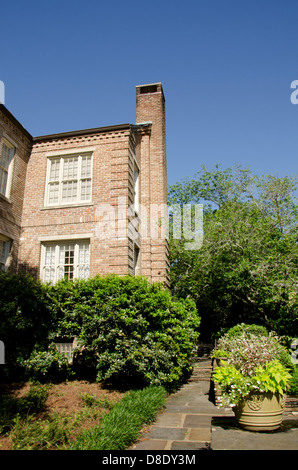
(8, 143)
(56, 266)
(76, 151)
(5, 261)
(79, 179)
(136, 180)
(65, 206)
(10, 140)
(75, 236)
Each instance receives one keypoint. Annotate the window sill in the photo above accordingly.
(6, 199)
(67, 206)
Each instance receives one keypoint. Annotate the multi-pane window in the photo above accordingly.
(65, 260)
(4, 253)
(69, 179)
(6, 158)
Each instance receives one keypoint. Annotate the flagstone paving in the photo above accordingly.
(191, 421)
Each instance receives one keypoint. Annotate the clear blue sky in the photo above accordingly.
(226, 67)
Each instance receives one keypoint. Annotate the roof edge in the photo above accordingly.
(11, 117)
(94, 130)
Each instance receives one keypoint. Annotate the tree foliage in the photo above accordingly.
(246, 269)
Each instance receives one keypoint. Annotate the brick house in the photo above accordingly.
(81, 203)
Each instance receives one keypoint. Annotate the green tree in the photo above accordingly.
(246, 269)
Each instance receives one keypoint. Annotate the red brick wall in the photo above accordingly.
(11, 207)
(110, 180)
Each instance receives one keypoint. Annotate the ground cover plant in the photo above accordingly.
(121, 427)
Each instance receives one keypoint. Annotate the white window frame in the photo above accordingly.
(136, 176)
(9, 169)
(60, 180)
(56, 248)
(5, 246)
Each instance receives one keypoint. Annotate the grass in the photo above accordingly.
(12, 408)
(31, 434)
(121, 426)
(98, 424)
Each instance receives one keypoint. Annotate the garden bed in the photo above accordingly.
(69, 400)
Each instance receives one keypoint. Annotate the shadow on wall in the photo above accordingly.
(26, 268)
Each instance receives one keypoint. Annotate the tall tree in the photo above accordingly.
(246, 268)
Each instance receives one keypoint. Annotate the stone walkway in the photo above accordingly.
(191, 421)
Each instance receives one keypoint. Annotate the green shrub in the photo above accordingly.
(131, 330)
(293, 390)
(24, 320)
(128, 330)
(256, 330)
(45, 366)
(219, 353)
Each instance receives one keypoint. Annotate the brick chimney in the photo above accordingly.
(150, 116)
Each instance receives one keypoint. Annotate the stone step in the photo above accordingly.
(201, 373)
(291, 404)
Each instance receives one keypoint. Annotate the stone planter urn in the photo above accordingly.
(260, 411)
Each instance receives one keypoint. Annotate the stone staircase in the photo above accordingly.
(201, 371)
(202, 365)
(204, 350)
